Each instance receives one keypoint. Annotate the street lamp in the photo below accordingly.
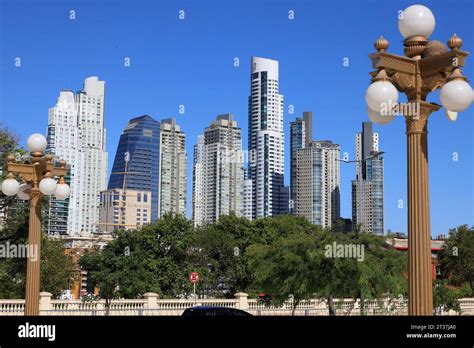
(426, 66)
(373, 154)
(38, 175)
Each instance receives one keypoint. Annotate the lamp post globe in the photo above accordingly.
(416, 20)
(36, 142)
(377, 118)
(47, 186)
(456, 95)
(62, 191)
(380, 94)
(10, 187)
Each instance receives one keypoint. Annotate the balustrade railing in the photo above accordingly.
(151, 305)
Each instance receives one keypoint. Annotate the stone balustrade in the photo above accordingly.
(151, 305)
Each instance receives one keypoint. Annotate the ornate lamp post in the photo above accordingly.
(38, 174)
(426, 66)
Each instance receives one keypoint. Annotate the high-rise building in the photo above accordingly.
(173, 169)
(301, 135)
(247, 196)
(64, 141)
(90, 110)
(198, 182)
(367, 188)
(318, 184)
(76, 133)
(265, 138)
(218, 171)
(124, 209)
(137, 160)
(284, 200)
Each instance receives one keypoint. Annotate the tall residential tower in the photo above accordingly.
(218, 171)
(367, 188)
(173, 169)
(266, 139)
(76, 133)
(301, 136)
(318, 184)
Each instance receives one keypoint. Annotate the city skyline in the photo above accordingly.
(327, 124)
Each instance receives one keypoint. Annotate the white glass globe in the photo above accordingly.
(416, 20)
(451, 115)
(456, 95)
(36, 142)
(10, 187)
(381, 94)
(376, 117)
(47, 186)
(62, 191)
(21, 192)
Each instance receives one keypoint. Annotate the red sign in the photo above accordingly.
(194, 277)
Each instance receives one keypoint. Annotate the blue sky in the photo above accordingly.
(190, 62)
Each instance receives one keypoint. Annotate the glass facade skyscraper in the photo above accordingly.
(301, 135)
(367, 188)
(141, 139)
(318, 183)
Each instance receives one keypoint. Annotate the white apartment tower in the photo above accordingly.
(318, 184)
(64, 141)
(173, 161)
(76, 133)
(198, 182)
(218, 172)
(266, 139)
(247, 203)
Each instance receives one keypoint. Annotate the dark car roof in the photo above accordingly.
(203, 310)
(208, 307)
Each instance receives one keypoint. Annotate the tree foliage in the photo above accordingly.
(56, 267)
(456, 259)
(151, 259)
(284, 268)
(297, 264)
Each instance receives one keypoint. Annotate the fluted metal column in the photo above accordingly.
(33, 266)
(420, 288)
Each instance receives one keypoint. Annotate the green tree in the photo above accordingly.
(102, 271)
(8, 146)
(56, 267)
(456, 259)
(335, 277)
(446, 297)
(298, 263)
(381, 273)
(151, 259)
(218, 253)
(283, 268)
